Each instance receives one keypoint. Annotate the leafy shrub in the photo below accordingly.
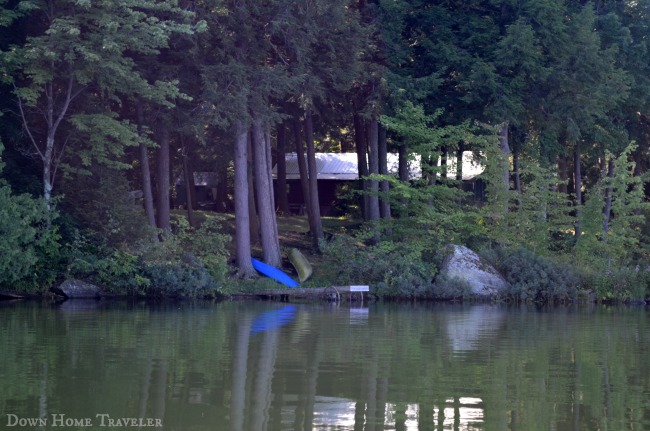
(190, 279)
(391, 269)
(621, 284)
(209, 244)
(28, 247)
(93, 260)
(535, 278)
(187, 263)
(450, 288)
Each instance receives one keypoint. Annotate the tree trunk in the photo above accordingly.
(459, 164)
(222, 188)
(373, 210)
(562, 171)
(189, 181)
(281, 182)
(505, 152)
(48, 176)
(403, 163)
(360, 141)
(384, 207)
(403, 172)
(253, 219)
(578, 189)
(242, 223)
(270, 194)
(315, 223)
(515, 168)
(444, 162)
(266, 212)
(146, 172)
(162, 162)
(302, 165)
(608, 196)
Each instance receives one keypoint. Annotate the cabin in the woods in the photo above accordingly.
(336, 172)
(205, 187)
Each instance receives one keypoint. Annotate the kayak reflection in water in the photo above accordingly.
(273, 319)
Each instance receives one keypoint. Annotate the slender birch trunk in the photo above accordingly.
(578, 190)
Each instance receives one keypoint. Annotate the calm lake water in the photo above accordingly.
(271, 366)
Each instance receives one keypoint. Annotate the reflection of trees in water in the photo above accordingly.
(401, 368)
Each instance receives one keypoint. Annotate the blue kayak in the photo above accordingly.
(274, 273)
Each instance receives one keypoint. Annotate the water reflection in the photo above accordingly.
(466, 329)
(273, 319)
(263, 366)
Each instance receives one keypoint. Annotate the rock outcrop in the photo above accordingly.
(466, 266)
(79, 289)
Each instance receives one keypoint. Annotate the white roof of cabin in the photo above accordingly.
(344, 166)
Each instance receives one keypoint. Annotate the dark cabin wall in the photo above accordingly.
(326, 194)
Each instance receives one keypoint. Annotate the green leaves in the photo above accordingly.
(26, 243)
(614, 239)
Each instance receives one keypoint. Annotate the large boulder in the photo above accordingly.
(464, 265)
(79, 289)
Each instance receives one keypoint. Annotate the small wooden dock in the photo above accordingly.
(331, 293)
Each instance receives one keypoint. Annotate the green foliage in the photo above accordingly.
(101, 139)
(19, 9)
(184, 279)
(620, 242)
(392, 269)
(430, 216)
(431, 211)
(91, 259)
(187, 263)
(537, 218)
(452, 288)
(621, 284)
(28, 247)
(102, 202)
(534, 278)
(209, 244)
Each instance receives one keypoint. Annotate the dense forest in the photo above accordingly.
(109, 108)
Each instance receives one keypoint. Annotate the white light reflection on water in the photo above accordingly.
(333, 412)
(463, 414)
(411, 414)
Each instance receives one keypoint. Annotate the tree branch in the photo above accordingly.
(26, 125)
